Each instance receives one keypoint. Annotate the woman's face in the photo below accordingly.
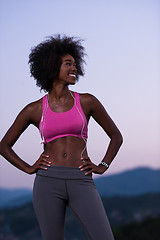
(68, 70)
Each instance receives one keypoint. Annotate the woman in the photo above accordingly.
(63, 170)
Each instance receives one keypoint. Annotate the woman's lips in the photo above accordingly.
(72, 75)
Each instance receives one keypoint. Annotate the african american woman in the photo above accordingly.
(64, 169)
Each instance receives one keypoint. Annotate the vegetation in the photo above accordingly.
(148, 229)
(130, 217)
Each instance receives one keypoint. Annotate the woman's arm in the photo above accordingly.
(100, 115)
(29, 115)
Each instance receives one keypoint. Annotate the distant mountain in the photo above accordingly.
(21, 223)
(129, 183)
(14, 197)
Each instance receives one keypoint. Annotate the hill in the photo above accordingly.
(14, 197)
(129, 183)
(126, 214)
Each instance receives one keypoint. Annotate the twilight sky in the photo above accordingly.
(121, 38)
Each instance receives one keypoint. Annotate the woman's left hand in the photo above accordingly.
(88, 165)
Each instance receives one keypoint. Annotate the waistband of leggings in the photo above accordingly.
(62, 172)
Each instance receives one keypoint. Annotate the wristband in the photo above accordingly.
(104, 164)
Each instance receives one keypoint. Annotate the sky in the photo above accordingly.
(121, 38)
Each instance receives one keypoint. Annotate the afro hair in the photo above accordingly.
(45, 59)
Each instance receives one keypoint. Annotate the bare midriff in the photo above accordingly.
(66, 151)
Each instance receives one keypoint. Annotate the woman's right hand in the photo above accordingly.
(42, 163)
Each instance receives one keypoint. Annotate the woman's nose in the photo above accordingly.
(74, 68)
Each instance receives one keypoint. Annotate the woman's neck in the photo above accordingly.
(59, 91)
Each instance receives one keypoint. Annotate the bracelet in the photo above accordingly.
(104, 164)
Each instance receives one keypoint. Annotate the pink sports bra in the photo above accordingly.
(56, 125)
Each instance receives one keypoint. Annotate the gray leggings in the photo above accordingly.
(58, 187)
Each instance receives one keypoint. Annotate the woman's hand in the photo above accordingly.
(42, 163)
(88, 165)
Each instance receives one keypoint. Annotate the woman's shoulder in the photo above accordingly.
(87, 97)
(32, 112)
(33, 106)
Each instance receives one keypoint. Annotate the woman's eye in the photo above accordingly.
(69, 64)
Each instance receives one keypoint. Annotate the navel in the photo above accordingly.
(64, 154)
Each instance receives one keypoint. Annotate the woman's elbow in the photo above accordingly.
(0, 148)
(119, 138)
(3, 147)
